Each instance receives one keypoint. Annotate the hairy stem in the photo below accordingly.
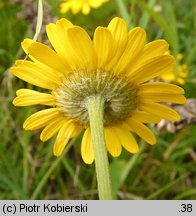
(95, 105)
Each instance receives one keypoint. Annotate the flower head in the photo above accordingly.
(117, 65)
(80, 5)
(179, 74)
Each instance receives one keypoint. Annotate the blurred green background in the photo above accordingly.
(28, 169)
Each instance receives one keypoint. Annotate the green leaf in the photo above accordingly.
(167, 29)
(124, 13)
(185, 194)
(13, 187)
(145, 16)
(116, 169)
(171, 20)
(166, 187)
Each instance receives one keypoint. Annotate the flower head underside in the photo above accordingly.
(116, 65)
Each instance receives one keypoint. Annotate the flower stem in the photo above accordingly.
(95, 106)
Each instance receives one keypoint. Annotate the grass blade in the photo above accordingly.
(39, 19)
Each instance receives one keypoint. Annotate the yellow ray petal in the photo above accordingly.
(61, 142)
(41, 119)
(87, 147)
(160, 110)
(86, 9)
(151, 50)
(127, 140)
(47, 56)
(76, 7)
(78, 129)
(34, 74)
(97, 3)
(180, 81)
(145, 117)
(135, 44)
(103, 45)
(171, 98)
(65, 133)
(27, 97)
(141, 130)
(112, 142)
(52, 128)
(118, 29)
(154, 48)
(26, 43)
(54, 35)
(82, 46)
(159, 87)
(63, 24)
(57, 34)
(69, 54)
(65, 7)
(153, 68)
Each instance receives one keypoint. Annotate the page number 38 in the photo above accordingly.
(186, 208)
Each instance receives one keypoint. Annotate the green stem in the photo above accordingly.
(95, 105)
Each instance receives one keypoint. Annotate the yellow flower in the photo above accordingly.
(80, 5)
(117, 65)
(179, 74)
